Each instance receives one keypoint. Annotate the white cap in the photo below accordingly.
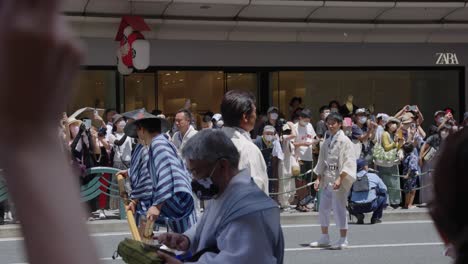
(383, 116)
(217, 117)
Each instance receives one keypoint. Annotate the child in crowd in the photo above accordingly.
(410, 170)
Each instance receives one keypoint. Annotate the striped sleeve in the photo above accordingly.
(168, 173)
(139, 175)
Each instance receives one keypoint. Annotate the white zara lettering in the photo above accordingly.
(447, 59)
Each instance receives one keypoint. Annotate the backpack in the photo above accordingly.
(361, 184)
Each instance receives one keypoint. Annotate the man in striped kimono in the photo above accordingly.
(141, 185)
(171, 200)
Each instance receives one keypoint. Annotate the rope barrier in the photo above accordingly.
(419, 174)
(293, 177)
(300, 188)
(415, 189)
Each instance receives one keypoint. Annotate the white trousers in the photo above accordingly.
(329, 200)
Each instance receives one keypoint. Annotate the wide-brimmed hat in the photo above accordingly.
(393, 119)
(407, 118)
(116, 118)
(72, 120)
(139, 116)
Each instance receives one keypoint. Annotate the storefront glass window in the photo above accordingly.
(140, 91)
(242, 81)
(200, 91)
(94, 88)
(387, 91)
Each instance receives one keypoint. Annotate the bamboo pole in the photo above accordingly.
(130, 218)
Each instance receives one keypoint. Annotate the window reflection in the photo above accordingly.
(200, 91)
(140, 91)
(94, 88)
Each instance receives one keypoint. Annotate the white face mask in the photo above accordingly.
(444, 134)
(441, 120)
(269, 138)
(303, 123)
(274, 116)
(326, 114)
(334, 110)
(362, 120)
(393, 127)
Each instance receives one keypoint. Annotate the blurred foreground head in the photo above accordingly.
(450, 194)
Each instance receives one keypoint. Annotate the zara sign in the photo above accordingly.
(447, 59)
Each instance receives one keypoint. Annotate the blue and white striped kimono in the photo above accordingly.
(140, 180)
(171, 185)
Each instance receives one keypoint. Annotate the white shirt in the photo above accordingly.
(123, 152)
(304, 134)
(180, 141)
(251, 157)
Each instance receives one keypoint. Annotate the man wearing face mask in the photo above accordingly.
(321, 126)
(242, 224)
(272, 115)
(269, 147)
(172, 195)
(305, 140)
(239, 113)
(362, 132)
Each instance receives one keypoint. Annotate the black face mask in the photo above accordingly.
(205, 189)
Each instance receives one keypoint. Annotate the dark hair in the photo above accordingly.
(408, 148)
(186, 112)
(149, 124)
(209, 113)
(294, 99)
(206, 118)
(295, 114)
(333, 102)
(335, 116)
(306, 113)
(235, 104)
(388, 124)
(156, 112)
(449, 188)
(323, 108)
(109, 110)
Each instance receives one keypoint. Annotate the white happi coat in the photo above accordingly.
(337, 156)
(251, 157)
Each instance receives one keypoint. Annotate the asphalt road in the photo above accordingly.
(387, 243)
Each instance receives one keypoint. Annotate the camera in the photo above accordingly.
(102, 132)
(412, 108)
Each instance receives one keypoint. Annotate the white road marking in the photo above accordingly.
(111, 234)
(372, 246)
(383, 223)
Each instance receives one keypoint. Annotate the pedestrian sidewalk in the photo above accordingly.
(287, 218)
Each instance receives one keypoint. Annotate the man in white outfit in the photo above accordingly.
(239, 114)
(186, 130)
(336, 170)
